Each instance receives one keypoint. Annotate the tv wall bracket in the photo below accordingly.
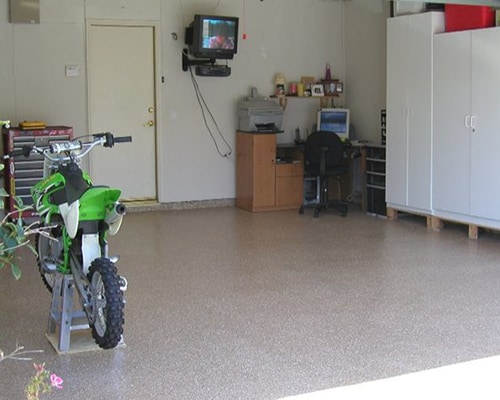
(205, 66)
(187, 62)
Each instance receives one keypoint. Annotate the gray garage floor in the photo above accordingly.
(225, 304)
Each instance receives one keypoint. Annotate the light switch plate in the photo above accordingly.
(72, 70)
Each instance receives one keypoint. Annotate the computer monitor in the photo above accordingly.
(334, 120)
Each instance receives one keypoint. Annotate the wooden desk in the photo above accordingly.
(267, 178)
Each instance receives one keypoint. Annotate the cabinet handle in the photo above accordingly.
(473, 122)
(467, 121)
(406, 111)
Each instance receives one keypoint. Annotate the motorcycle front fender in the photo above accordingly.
(90, 250)
(70, 214)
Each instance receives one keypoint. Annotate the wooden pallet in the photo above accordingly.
(434, 223)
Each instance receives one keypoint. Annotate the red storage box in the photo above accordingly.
(461, 18)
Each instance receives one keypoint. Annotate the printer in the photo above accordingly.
(259, 114)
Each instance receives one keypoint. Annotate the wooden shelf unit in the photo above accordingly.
(267, 178)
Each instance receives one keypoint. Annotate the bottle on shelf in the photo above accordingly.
(328, 73)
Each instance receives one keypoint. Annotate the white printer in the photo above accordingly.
(259, 114)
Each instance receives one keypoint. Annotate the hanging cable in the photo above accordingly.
(204, 111)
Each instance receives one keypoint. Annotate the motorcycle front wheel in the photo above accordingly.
(107, 316)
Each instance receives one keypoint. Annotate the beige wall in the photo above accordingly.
(296, 37)
(365, 27)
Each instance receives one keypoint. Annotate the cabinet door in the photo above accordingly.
(264, 154)
(409, 109)
(420, 124)
(451, 141)
(289, 184)
(485, 137)
(397, 109)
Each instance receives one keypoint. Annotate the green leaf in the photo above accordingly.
(15, 271)
(32, 248)
(20, 229)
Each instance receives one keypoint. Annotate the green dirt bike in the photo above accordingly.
(76, 218)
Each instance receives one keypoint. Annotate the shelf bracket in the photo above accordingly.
(187, 62)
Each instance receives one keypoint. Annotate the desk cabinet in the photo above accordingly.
(289, 184)
(262, 184)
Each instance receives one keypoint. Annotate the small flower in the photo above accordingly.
(56, 381)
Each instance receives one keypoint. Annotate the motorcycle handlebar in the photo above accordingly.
(24, 151)
(110, 140)
(105, 139)
(123, 139)
(56, 148)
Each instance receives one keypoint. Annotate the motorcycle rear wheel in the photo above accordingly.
(107, 303)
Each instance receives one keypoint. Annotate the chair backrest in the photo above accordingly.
(325, 153)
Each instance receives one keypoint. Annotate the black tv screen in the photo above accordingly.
(214, 37)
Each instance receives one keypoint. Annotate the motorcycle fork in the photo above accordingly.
(67, 248)
(81, 281)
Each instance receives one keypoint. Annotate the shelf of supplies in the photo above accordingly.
(374, 189)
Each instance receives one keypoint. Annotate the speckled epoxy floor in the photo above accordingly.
(224, 304)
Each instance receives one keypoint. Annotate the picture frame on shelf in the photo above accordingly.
(339, 87)
(330, 87)
(307, 81)
(317, 90)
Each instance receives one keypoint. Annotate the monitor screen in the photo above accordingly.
(218, 33)
(334, 120)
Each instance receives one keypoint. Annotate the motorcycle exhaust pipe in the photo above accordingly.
(115, 213)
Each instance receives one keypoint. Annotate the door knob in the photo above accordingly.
(149, 123)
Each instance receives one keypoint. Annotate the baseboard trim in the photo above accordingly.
(138, 206)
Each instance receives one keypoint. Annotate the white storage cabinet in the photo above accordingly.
(409, 110)
(466, 174)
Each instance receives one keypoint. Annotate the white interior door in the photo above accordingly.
(121, 70)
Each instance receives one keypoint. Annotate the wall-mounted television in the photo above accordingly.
(213, 37)
(334, 120)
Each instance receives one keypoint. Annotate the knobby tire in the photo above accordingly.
(107, 331)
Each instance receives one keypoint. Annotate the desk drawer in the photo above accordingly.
(290, 169)
(289, 191)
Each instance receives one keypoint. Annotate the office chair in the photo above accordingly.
(325, 157)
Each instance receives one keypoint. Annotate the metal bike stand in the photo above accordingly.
(63, 318)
